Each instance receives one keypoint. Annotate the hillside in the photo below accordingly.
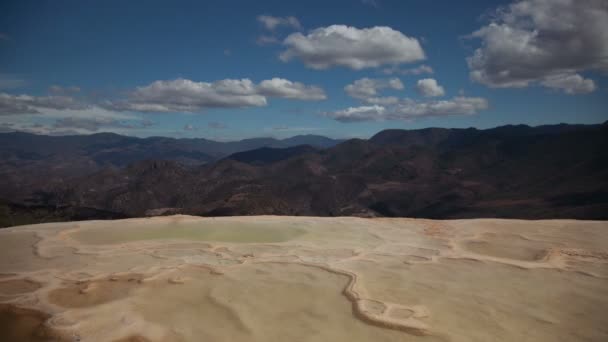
(556, 171)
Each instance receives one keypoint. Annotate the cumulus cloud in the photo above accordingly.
(459, 105)
(62, 113)
(346, 46)
(27, 104)
(547, 42)
(361, 113)
(408, 109)
(429, 87)
(272, 23)
(182, 95)
(367, 87)
(12, 104)
(569, 83)
(377, 108)
(280, 87)
(366, 90)
(419, 70)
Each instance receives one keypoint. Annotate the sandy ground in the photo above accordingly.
(268, 278)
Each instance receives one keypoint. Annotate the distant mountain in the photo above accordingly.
(108, 149)
(267, 155)
(558, 171)
(30, 162)
(317, 141)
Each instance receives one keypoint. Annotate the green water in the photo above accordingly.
(208, 231)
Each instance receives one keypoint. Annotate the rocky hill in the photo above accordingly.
(558, 171)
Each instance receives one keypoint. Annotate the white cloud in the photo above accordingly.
(12, 104)
(569, 83)
(545, 42)
(362, 113)
(408, 109)
(340, 45)
(182, 95)
(280, 87)
(272, 23)
(378, 108)
(366, 90)
(429, 87)
(62, 114)
(27, 104)
(81, 121)
(459, 105)
(419, 70)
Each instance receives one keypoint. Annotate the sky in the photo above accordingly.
(229, 70)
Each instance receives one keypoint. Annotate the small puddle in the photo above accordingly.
(203, 231)
(508, 246)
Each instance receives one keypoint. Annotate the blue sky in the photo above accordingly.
(81, 67)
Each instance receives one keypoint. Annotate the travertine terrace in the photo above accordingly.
(268, 278)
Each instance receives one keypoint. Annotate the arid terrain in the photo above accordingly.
(267, 278)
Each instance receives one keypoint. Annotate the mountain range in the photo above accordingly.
(515, 171)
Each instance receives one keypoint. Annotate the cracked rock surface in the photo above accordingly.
(266, 278)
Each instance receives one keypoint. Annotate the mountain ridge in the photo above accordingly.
(517, 171)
